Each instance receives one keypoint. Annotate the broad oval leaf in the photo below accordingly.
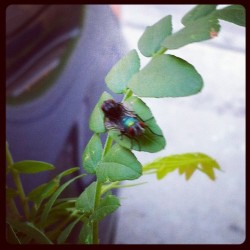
(166, 76)
(86, 201)
(118, 164)
(31, 167)
(122, 71)
(185, 163)
(92, 154)
(107, 206)
(152, 140)
(96, 120)
(198, 12)
(150, 41)
(235, 14)
(204, 29)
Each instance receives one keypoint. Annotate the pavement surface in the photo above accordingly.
(198, 211)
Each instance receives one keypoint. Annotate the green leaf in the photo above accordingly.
(107, 206)
(96, 121)
(66, 232)
(92, 154)
(166, 76)
(86, 201)
(53, 198)
(85, 235)
(11, 236)
(31, 167)
(122, 71)
(235, 14)
(150, 41)
(30, 230)
(67, 172)
(185, 163)
(118, 164)
(45, 190)
(152, 140)
(198, 12)
(205, 28)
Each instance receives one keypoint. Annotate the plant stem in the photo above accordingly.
(17, 181)
(97, 202)
(107, 146)
(160, 51)
(98, 193)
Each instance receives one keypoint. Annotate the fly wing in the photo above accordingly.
(113, 125)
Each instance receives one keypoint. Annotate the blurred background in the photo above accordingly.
(198, 211)
(55, 75)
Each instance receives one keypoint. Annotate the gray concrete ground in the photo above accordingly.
(198, 211)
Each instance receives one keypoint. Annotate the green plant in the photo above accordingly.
(46, 218)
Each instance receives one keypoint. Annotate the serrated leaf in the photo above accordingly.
(152, 140)
(30, 230)
(118, 164)
(185, 163)
(107, 206)
(235, 14)
(122, 71)
(86, 201)
(166, 76)
(31, 167)
(150, 41)
(198, 12)
(96, 121)
(53, 198)
(92, 154)
(204, 29)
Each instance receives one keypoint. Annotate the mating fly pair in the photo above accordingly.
(127, 122)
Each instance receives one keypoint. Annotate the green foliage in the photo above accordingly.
(117, 165)
(86, 200)
(107, 206)
(46, 218)
(185, 163)
(205, 28)
(49, 204)
(150, 42)
(198, 12)
(152, 140)
(38, 194)
(96, 120)
(31, 167)
(66, 232)
(29, 229)
(166, 76)
(234, 13)
(92, 154)
(122, 71)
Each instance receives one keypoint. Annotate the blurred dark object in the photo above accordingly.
(57, 57)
